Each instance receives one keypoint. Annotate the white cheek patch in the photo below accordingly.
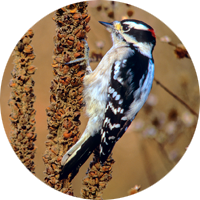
(143, 47)
(136, 26)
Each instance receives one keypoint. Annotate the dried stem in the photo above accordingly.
(21, 101)
(66, 90)
(97, 178)
(113, 9)
(172, 44)
(180, 51)
(176, 97)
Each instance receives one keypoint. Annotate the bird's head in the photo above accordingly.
(133, 32)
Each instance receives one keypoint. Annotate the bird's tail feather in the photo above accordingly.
(78, 158)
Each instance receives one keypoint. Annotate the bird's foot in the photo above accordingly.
(85, 58)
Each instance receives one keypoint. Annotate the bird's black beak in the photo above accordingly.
(109, 26)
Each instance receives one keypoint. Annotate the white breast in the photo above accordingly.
(96, 85)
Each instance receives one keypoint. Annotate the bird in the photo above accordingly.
(114, 92)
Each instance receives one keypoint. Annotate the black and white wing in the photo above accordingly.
(130, 84)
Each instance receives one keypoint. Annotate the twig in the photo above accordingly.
(176, 97)
(172, 44)
(113, 9)
(180, 51)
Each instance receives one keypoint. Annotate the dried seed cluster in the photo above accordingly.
(130, 13)
(21, 101)
(134, 190)
(66, 89)
(181, 52)
(97, 178)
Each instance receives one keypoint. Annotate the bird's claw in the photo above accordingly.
(85, 58)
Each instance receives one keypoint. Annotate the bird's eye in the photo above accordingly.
(126, 28)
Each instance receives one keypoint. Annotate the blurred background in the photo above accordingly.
(163, 129)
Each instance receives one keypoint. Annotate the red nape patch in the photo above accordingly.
(152, 32)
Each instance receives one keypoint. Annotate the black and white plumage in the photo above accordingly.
(114, 92)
